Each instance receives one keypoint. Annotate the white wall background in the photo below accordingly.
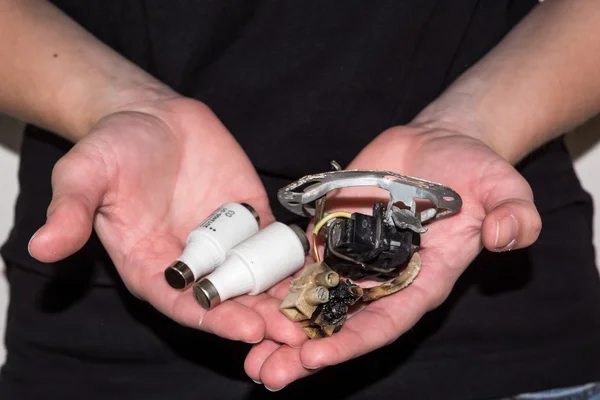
(584, 145)
(10, 138)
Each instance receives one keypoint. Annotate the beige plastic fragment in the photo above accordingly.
(308, 291)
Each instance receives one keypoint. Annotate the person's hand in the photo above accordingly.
(498, 213)
(143, 178)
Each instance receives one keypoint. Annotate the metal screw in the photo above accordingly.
(316, 296)
(321, 293)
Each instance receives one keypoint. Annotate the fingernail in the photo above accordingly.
(255, 341)
(506, 233)
(273, 390)
(202, 326)
(257, 382)
(313, 367)
(31, 240)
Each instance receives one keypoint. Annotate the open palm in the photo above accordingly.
(143, 179)
(498, 213)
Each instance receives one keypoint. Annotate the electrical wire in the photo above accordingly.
(320, 224)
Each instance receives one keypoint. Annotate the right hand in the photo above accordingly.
(143, 178)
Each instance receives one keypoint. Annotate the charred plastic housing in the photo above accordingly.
(381, 247)
(320, 300)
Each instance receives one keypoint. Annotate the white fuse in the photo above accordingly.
(255, 265)
(207, 245)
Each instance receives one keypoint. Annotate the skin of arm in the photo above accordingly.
(58, 76)
(540, 82)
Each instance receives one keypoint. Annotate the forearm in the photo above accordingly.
(539, 82)
(58, 76)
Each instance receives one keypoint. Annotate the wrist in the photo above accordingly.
(138, 92)
(459, 111)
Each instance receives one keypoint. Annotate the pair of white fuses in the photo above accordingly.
(228, 256)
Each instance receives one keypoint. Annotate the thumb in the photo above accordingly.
(512, 220)
(78, 185)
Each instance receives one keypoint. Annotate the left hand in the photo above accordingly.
(143, 178)
(498, 212)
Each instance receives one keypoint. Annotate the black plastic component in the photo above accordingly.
(365, 246)
(340, 300)
(328, 318)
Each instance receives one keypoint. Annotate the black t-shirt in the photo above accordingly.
(302, 83)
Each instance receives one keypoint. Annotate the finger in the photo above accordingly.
(78, 184)
(230, 320)
(234, 321)
(365, 332)
(142, 272)
(257, 356)
(282, 367)
(281, 289)
(383, 320)
(277, 326)
(512, 220)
